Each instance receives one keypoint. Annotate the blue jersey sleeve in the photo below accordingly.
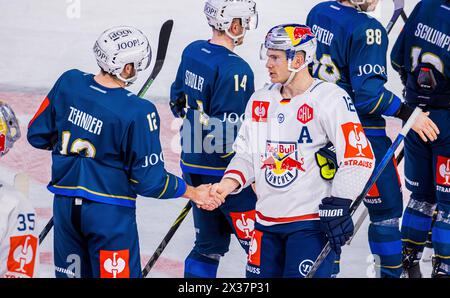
(234, 87)
(368, 71)
(176, 90)
(42, 131)
(398, 51)
(148, 176)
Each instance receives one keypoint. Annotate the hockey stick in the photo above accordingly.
(398, 10)
(166, 239)
(365, 212)
(163, 44)
(373, 178)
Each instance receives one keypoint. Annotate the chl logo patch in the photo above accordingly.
(254, 251)
(281, 163)
(244, 223)
(443, 171)
(260, 110)
(22, 254)
(305, 114)
(114, 264)
(356, 143)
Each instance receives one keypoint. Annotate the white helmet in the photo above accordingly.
(9, 128)
(372, 4)
(118, 46)
(220, 15)
(292, 38)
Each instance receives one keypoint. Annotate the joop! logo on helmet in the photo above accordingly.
(99, 53)
(119, 33)
(210, 10)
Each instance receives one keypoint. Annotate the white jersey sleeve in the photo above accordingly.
(19, 239)
(353, 150)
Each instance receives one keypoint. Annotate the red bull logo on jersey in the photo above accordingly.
(22, 255)
(299, 34)
(443, 174)
(281, 163)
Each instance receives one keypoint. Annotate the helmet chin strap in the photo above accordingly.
(235, 38)
(293, 71)
(128, 81)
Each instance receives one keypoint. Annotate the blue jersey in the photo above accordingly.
(351, 52)
(425, 39)
(104, 141)
(217, 84)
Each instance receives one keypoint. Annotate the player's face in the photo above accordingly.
(277, 66)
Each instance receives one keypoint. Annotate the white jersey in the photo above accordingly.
(276, 147)
(18, 235)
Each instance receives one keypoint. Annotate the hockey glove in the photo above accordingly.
(335, 221)
(178, 105)
(327, 161)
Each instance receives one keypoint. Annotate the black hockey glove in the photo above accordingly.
(327, 161)
(178, 105)
(335, 221)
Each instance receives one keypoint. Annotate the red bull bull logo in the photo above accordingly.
(281, 163)
(298, 34)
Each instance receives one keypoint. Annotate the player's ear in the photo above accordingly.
(299, 59)
(128, 70)
(236, 26)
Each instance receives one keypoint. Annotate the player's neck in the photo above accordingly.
(222, 40)
(347, 3)
(109, 81)
(301, 82)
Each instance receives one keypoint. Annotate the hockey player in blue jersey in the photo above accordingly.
(210, 92)
(351, 52)
(421, 55)
(105, 150)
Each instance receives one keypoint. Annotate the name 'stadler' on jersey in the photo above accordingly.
(276, 147)
(18, 235)
(105, 143)
(351, 52)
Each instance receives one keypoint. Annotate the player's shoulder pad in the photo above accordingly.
(367, 22)
(327, 93)
(139, 106)
(193, 45)
(233, 64)
(266, 93)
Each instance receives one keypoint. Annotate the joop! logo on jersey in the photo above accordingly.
(281, 163)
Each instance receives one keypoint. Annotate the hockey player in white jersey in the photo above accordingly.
(18, 235)
(298, 209)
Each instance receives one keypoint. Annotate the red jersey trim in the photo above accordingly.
(288, 219)
(239, 173)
